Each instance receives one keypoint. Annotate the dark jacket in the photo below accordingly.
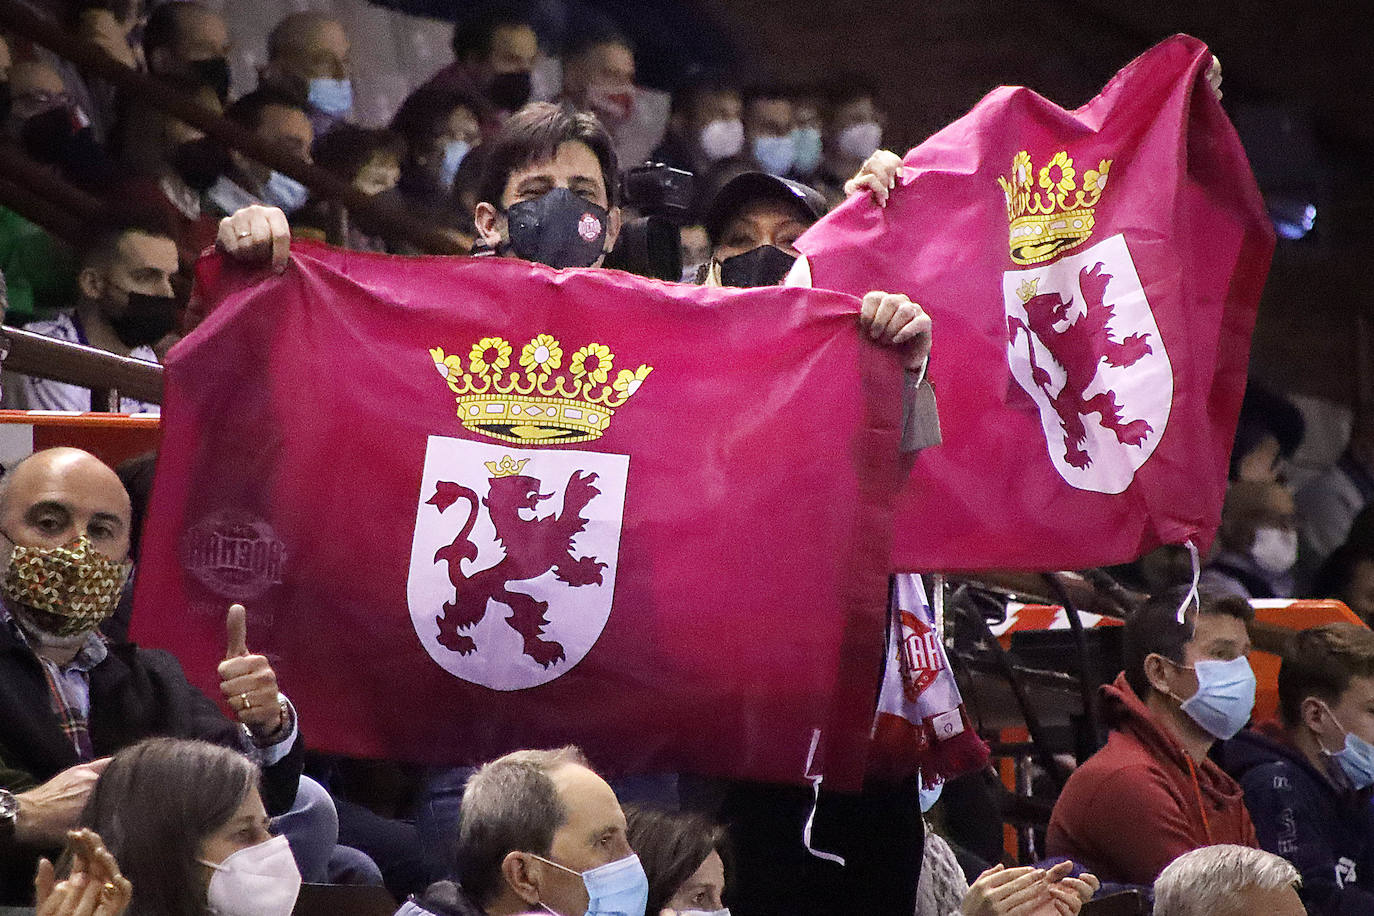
(442, 898)
(135, 694)
(1140, 802)
(1300, 814)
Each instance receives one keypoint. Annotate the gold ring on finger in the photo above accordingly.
(245, 233)
(247, 703)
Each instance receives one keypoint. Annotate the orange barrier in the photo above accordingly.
(110, 437)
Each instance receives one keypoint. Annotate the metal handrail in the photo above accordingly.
(103, 372)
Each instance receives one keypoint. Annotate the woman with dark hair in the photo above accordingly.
(684, 857)
(186, 823)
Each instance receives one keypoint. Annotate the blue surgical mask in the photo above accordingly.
(775, 154)
(1225, 696)
(455, 151)
(619, 888)
(285, 192)
(806, 143)
(1356, 760)
(333, 97)
(929, 797)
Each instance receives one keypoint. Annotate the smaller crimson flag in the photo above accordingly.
(1093, 276)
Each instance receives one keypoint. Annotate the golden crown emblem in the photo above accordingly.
(534, 403)
(1049, 211)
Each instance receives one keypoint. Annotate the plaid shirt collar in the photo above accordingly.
(92, 653)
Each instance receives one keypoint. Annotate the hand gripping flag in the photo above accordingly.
(1093, 276)
(475, 505)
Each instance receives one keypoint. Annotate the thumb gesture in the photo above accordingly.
(247, 681)
(236, 624)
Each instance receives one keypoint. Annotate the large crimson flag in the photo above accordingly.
(478, 505)
(1093, 276)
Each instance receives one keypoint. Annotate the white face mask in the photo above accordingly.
(722, 139)
(1275, 549)
(262, 880)
(860, 140)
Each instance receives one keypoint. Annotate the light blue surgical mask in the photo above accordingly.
(455, 151)
(1355, 761)
(333, 97)
(806, 144)
(1225, 696)
(618, 888)
(775, 154)
(929, 797)
(285, 192)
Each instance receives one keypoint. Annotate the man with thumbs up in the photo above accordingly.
(69, 698)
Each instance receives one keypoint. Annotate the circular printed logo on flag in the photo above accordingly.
(1083, 343)
(512, 567)
(589, 227)
(234, 554)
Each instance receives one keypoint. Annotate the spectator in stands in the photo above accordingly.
(1268, 432)
(169, 167)
(853, 132)
(441, 128)
(1308, 778)
(684, 858)
(280, 120)
(768, 123)
(186, 823)
(111, 25)
(753, 222)
(494, 50)
(1227, 880)
(539, 831)
(599, 73)
(1328, 504)
(1348, 575)
(189, 40)
(126, 306)
(808, 135)
(308, 57)
(1185, 686)
(52, 127)
(1258, 541)
(67, 696)
(704, 126)
(370, 160)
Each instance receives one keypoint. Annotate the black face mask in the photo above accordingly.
(146, 320)
(559, 229)
(48, 136)
(510, 91)
(6, 102)
(200, 162)
(214, 72)
(765, 265)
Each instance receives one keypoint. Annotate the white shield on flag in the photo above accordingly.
(512, 569)
(1083, 343)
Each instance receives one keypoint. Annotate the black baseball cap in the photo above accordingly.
(747, 187)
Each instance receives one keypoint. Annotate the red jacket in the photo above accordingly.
(1136, 805)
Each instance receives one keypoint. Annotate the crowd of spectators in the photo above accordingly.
(165, 805)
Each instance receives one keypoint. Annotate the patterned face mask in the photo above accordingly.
(73, 587)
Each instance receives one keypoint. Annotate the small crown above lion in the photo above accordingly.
(1049, 210)
(536, 400)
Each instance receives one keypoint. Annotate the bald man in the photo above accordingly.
(69, 698)
(308, 58)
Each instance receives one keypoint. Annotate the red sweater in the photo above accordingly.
(1135, 805)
